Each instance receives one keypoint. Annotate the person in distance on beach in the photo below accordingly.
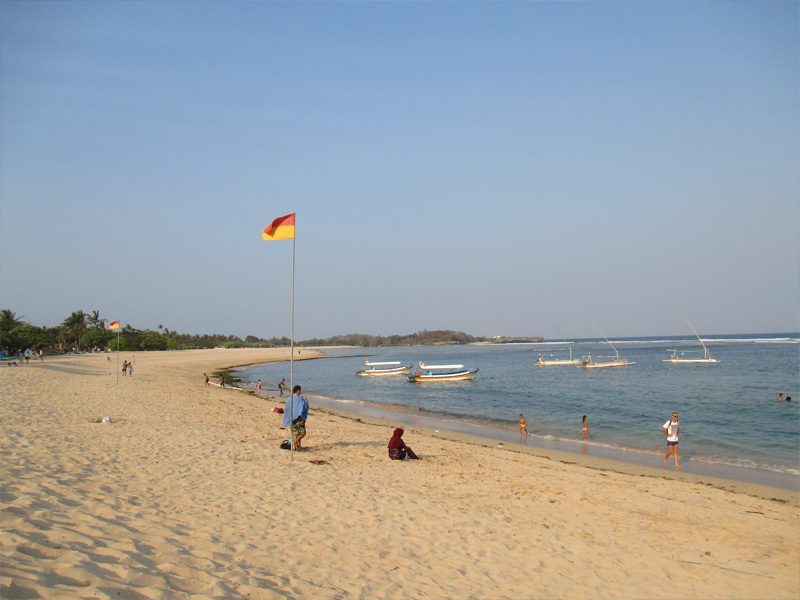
(398, 449)
(671, 429)
(585, 427)
(282, 386)
(295, 415)
(207, 383)
(259, 387)
(523, 427)
(222, 380)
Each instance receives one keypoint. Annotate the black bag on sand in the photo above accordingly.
(286, 445)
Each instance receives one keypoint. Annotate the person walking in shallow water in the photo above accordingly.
(523, 428)
(671, 429)
(585, 427)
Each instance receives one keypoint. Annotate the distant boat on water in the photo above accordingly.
(389, 368)
(591, 363)
(557, 362)
(541, 362)
(442, 373)
(678, 360)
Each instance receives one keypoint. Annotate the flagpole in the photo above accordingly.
(291, 358)
(118, 355)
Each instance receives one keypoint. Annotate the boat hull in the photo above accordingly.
(690, 361)
(606, 365)
(461, 376)
(556, 363)
(383, 372)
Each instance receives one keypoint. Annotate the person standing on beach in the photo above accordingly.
(124, 367)
(523, 427)
(222, 380)
(295, 415)
(130, 369)
(671, 429)
(585, 427)
(282, 386)
(259, 388)
(207, 383)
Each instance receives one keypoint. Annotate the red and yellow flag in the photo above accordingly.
(281, 228)
(114, 325)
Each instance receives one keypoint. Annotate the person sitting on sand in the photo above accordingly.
(398, 449)
(295, 415)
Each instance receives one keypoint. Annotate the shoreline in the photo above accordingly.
(697, 467)
(186, 493)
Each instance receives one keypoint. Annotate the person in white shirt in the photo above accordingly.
(671, 429)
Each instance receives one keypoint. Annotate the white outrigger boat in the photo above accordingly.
(690, 361)
(453, 373)
(391, 370)
(591, 363)
(550, 363)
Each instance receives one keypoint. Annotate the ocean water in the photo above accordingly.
(728, 411)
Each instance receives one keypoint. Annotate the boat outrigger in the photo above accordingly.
(452, 373)
(690, 361)
(591, 363)
(550, 363)
(391, 370)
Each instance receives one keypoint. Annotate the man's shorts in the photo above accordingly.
(672, 443)
(298, 426)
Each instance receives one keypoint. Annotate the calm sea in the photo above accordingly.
(728, 411)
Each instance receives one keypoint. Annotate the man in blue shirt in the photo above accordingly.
(296, 419)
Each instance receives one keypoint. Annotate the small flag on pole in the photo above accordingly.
(281, 228)
(114, 325)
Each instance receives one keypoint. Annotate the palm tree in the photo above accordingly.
(76, 325)
(9, 320)
(95, 321)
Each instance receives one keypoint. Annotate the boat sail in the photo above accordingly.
(591, 363)
(675, 359)
(391, 369)
(442, 373)
(541, 362)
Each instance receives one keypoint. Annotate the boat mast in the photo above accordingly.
(565, 339)
(698, 337)
(606, 339)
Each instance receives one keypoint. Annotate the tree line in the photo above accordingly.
(87, 331)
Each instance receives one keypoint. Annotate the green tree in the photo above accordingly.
(150, 340)
(95, 337)
(76, 326)
(9, 320)
(30, 336)
(95, 321)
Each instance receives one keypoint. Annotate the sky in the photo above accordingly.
(492, 168)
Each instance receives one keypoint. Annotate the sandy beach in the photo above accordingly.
(186, 494)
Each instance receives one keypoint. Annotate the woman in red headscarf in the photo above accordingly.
(398, 449)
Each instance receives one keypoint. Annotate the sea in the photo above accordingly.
(731, 421)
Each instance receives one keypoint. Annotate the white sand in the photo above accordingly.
(187, 495)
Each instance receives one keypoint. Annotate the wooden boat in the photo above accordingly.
(591, 363)
(675, 359)
(442, 373)
(391, 369)
(551, 363)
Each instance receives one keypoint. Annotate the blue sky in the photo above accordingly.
(484, 167)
